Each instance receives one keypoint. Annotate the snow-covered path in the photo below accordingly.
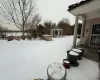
(26, 60)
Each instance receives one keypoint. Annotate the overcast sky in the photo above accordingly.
(55, 10)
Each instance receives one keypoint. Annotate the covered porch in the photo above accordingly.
(90, 53)
(89, 12)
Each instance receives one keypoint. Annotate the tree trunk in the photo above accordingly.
(23, 29)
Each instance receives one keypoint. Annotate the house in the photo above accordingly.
(89, 12)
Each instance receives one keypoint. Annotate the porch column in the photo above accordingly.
(75, 31)
(82, 30)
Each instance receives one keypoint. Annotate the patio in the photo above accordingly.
(28, 60)
(90, 53)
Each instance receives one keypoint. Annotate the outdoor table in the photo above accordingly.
(79, 52)
(66, 63)
(73, 58)
(56, 71)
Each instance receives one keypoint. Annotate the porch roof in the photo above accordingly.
(87, 9)
(56, 28)
(73, 6)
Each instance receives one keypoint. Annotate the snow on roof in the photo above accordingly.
(56, 27)
(73, 6)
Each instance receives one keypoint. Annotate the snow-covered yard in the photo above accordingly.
(27, 60)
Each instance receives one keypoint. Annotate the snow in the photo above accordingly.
(46, 35)
(16, 34)
(73, 53)
(77, 50)
(66, 61)
(56, 71)
(29, 59)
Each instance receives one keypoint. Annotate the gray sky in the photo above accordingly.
(55, 10)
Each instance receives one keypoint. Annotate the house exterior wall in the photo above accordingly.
(88, 29)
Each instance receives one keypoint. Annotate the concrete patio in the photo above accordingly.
(90, 53)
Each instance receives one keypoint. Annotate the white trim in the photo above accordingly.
(88, 7)
(56, 29)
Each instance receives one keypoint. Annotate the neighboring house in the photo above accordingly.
(89, 12)
(12, 32)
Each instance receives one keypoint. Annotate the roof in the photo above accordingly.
(12, 31)
(56, 27)
(73, 6)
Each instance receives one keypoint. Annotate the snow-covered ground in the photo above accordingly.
(27, 60)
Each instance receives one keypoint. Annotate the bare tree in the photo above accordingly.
(32, 24)
(18, 12)
(65, 20)
(47, 26)
(67, 29)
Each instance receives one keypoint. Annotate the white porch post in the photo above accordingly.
(75, 31)
(82, 30)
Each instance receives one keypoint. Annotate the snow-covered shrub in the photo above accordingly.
(29, 37)
(23, 37)
(10, 38)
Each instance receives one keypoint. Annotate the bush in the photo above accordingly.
(34, 35)
(40, 34)
(10, 38)
(29, 37)
(23, 37)
(18, 38)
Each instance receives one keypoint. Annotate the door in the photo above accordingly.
(95, 36)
